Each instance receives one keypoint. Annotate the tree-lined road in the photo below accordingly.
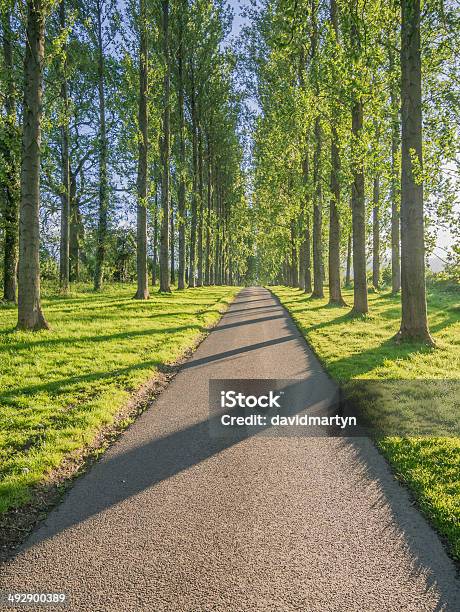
(173, 519)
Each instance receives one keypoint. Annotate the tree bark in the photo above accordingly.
(181, 187)
(155, 241)
(193, 220)
(394, 188)
(75, 231)
(172, 247)
(207, 274)
(64, 254)
(165, 153)
(358, 212)
(103, 150)
(201, 208)
(30, 315)
(308, 286)
(303, 218)
(348, 269)
(294, 261)
(10, 185)
(335, 293)
(318, 291)
(414, 321)
(376, 234)
(142, 292)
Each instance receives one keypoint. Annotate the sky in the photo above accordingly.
(238, 20)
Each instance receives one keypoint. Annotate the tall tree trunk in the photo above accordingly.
(30, 315)
(358, 212)
(181, 187)
(172, 247)
(414, 322)
(294, 261)
(103, 176)
(64, 254)
(306, 271)
(303, 219)
(155, 241)
(207, 274)
(201, 208)
(308, 284)
(376, 233)
(193, 220)
(75, 230)
(317, 197)
(142, 292)
(165, 153)
(394, 187)
(348, 269)
(335, 293)
(318, 291)
(10, 180)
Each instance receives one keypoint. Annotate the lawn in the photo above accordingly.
(405, 379)
(59, 387)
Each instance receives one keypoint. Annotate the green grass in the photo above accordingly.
(359, 349)
(59, 387)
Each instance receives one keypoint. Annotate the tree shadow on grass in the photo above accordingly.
(367, 360)
(51, 341)
(61, 386)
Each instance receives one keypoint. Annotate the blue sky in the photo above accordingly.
(238, 21)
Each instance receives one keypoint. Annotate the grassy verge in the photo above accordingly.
(362, 348)
(58, 388)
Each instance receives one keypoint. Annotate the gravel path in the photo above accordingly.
(172, 519)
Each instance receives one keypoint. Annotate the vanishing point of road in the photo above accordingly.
(174, 519)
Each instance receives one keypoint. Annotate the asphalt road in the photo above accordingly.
(174, 519)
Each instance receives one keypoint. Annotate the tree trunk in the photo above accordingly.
(64, 254)
(207, 275)
(182, 170)
(103, 177)
(155, 241)
(10, 181)
(165, 153)
(303, 217)
(335, 293)
(348, 270)
(394, 188)
(172, 247)
(414, 322)
(142, 292)
(193, 221)
(30, 315)
(358, 212)
(201, 208)
(376, 234)
(75, 231)
(318, 291)
(294, 261)
(308, 286)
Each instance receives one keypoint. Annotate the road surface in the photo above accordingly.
(173, 519)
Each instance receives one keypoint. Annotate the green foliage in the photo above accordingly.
(304, 72)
